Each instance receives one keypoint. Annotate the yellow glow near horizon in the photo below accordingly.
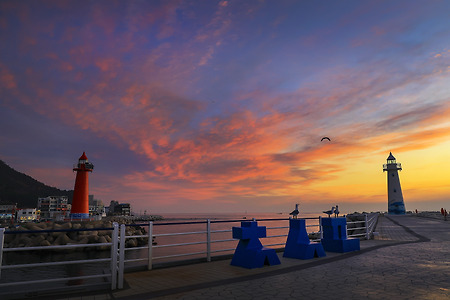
(425, 175)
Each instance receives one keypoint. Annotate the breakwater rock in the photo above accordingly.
(432, 215)
(66, 233)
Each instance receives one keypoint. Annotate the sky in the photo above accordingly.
(220, 106)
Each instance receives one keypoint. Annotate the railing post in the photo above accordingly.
(320, 228)
(2, 239)
(121, 256)
(150, 245)
(367, 227)
(114, 246)
(208, 240)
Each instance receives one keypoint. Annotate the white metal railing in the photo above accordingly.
(113, 259)
(208, 241)
(371, 223)
(368, 224)
(118, 250)
(357, 228)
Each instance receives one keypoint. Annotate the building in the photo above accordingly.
(53, 207)
(96, 207)
(7, 211)
(119, 209)
(28, 215)
(124, 209)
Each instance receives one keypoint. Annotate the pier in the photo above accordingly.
(407, 259)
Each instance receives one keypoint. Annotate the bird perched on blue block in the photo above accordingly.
(295, 212)
(336, 212)
(329, 212)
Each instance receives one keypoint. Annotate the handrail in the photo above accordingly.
(68, 246)
(54, 280)
(112, 258)
(55, 263)
(179, 233)
(371, 224)
(54, 230)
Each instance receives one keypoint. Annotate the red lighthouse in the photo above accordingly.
(80, 202)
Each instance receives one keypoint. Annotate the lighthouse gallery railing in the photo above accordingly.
(118, 259)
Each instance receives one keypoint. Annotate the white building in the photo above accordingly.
(54, 207)
(96, 208)
(27, 215)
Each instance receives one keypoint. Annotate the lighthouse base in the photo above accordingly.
(79, 216)
(397, 208)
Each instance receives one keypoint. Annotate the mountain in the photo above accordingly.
(16, 187)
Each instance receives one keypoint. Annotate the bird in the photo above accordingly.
(329, 212)
(295, 212)
(325, 138)
(336, 212)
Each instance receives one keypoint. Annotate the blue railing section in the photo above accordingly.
(200, 239)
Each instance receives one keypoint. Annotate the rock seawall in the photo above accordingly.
(74, 234)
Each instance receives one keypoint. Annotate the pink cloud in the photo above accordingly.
(7, 79)
(108, 64)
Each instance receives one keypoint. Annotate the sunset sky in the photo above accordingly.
(207, 106)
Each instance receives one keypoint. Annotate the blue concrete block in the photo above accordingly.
(334, 228)
(249, 230)
(305, 251)
(297, 232)
(249, 252)
(341, 246)
(298, 244)
(335, 236)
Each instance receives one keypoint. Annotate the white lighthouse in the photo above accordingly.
(395, 195)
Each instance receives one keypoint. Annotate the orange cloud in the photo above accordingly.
(423, 139)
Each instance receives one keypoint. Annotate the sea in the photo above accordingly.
(190, 228)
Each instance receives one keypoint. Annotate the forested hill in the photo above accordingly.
(16, 187)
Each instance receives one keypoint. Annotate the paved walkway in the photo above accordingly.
(409, 259)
